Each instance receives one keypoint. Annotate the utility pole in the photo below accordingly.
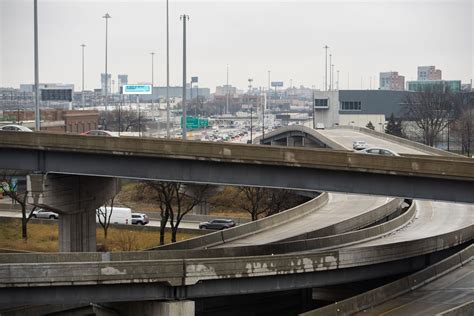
(326, 69)
(332, 77)
(167, 73)
(152, 80)
(227, 90)
(184, 17)
(314, 112)
(83, 105)
(106, 17)
(330, 72)
(37, 109)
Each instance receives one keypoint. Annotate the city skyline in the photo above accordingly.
(250, 37)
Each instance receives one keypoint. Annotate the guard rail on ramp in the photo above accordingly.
(384, 293)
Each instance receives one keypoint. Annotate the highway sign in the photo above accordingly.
(277, 83)
(136, 89)
(56, 95)
(195, 122)
(194, 79)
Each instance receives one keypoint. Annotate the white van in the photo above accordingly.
(120, 215)
(319, 125)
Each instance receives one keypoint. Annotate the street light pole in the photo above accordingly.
(227, 90)
(152, 81)
(330, 72)
(326, 69)
(37, 110)
(83, 105)
(106, 17)
(184, 17)
(167, 73)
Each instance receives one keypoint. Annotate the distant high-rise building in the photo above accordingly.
(428, 73)
(109, 83)
(122, 80)
(391, 81)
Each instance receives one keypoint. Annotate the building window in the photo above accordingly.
(321, 103)
(351, 105)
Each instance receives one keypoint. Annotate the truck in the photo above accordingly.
(120, 215)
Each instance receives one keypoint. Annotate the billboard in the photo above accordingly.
(136, 89)
(194, 79)
(277, 83)
(56, 95)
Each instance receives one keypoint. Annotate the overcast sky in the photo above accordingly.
(286, 37)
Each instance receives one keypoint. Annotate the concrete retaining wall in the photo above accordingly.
(220, 237)
(403, 141)
(410, 283)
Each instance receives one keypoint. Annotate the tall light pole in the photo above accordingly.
(227, 90)
(269, 80)
(326, 69)
(152, 80)
(106, 17)
(330, 72)
(167, 73)
(337, 82)
(83, 104)
(251, 110)
(184, 17)
(332, 76)
(37, 110)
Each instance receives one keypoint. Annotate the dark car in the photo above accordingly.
(217, 224)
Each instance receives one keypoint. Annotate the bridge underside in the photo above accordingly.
(239, 173)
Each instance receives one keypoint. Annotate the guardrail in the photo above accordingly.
(362, 220)
(190, 271)
(221, 237)
(403, 141)
(404, 285)
(255, 250)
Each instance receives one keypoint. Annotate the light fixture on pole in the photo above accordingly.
(83, 45)
(106, 17)
(184, 18)
(37, 109)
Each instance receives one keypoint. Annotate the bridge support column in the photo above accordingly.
(75, 199)
(175, 308)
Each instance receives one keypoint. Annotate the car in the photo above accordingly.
(359, 145)
(15, 128)
(100, 133)
(217, 224)
(140, 219)
(379, 151)
(42, 213)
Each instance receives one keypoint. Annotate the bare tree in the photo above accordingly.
(282, 199)
(430, 110)
(163, 195)
(123, 120)
(463, 121)
(253, 200)
(104, 214)
(175, 200)
(19, 195)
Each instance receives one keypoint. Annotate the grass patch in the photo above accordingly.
(44, 238)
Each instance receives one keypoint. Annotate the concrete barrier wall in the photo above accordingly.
(256, 250)
(220, 237)
(403, 141)
(410, 283)
(190, 271)
(357, 222)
